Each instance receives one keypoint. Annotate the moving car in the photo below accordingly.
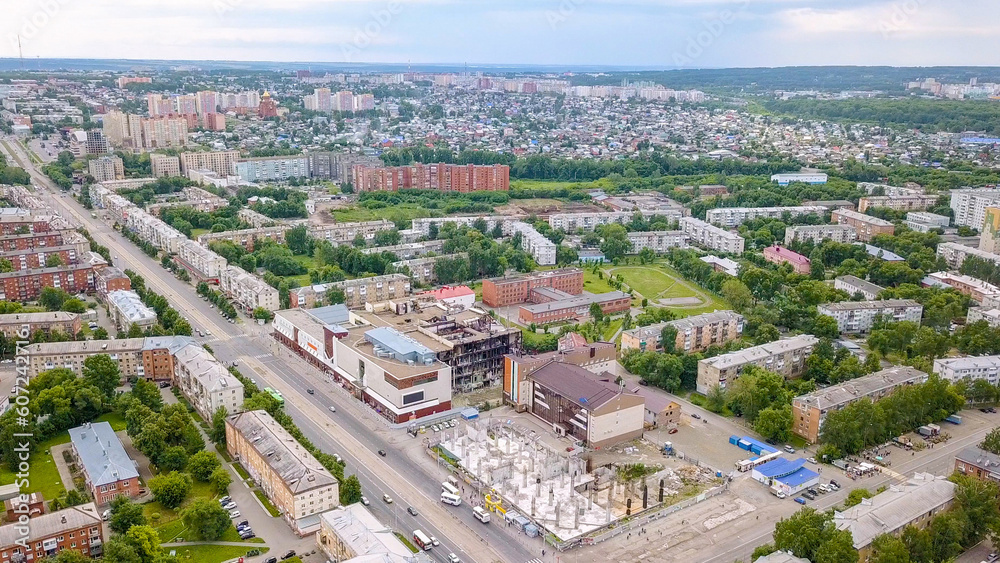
(381, 453)
(696, 416)
(412, 511)
(435, 542)
(452, 558)
(387, 499)
(364, 500)
(311, 391)
(333, 409)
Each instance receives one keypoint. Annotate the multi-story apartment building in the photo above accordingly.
(730, 217)
(658, 241)
(126, 309)
(854, 285)
(295, 481)
(971, 368)
(870, 188)
(809, 411)
(990, 314)
(858, 317)
(32, 241)
(353, 533)
(220, 162)
(255, 219)
(35, 258)
(110, 279)
(422, 269)
(71, 355)
(867, 226)
(358, 292)
(557, 306)
(77, 528)
(989, 237)
(970, 206)
(955, 254)
(409, 250)
(15, 325)
(204, 264)
(247, 238)
(423, 225)
(786, 357)
(501, 292)
(572, 222)
(164, 132)
(711, 237)
(890, 512)
(978, 290)
(345, 233)
(915, 202)
(106, 168)
(780, 255)
(249, 291)
(337, 166)
(694, 334)
(805, 177)
(17, 221)
(978, 463)
(164, 165)
(541, 249)
(107, 470)
(26, 285)
(271, 168)
(439, 176)
(844, 234)
(205, 382)
(924, 222)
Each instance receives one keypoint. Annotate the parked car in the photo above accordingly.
(247, 534)
(364, 500)
(225, 500)
(789, 449)
(412, 511)
(289, 555)
(164, 384)
(387, 499)
(834, 483)
(234, 514)
(811, 460)
(229, 505)
(814, 491)
(243, 524)
(800, 500)
(809, 495)
(271, 560)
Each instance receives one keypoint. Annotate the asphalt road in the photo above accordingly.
(343, 433)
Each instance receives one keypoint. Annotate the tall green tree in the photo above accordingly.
(206, 520)
(102, 372)
(170, 489)
(125, 514)
(350, 490)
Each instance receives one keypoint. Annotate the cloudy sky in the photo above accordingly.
(641, 33)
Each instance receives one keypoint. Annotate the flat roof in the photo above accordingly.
(102, 454)
(575, 301)
(865, 305)
(755, 353)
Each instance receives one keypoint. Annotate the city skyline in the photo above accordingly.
(635, 33)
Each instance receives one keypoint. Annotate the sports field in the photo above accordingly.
(658, 281)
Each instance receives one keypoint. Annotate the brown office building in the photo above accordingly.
(501, 292)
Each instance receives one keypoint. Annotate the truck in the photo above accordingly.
(928, 430)
(954, 419)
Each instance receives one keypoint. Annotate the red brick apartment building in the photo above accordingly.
(500, 292)
(26, 285)
(36, 257)
(16, 221)
(439, 176)
(110, 279)
(78, 528)
(29, 241)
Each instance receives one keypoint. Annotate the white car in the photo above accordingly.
(234, 514)
(387, 499)
(333, 409)
(364, 500)
(435, 542)
(452, 558)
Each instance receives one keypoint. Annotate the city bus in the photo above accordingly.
(421, 539)
(277, 395)
(451, 499)
(447, 487)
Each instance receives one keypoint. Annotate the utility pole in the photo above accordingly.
(20, 53)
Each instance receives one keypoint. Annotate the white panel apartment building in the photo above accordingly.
(855, 317)
(711, 237)
(970, 206)
(735, 216)
(854, 285)
(220, 162)
(205, 382)
(971, 368)
(126, 309)
(271, 169)
(248, 290)
(345, 233)
(571, 222)
(954, 254)
(423, 226)
(659, 241)
(818, 233)
(541, 249)
(898, 202)
(203, 263)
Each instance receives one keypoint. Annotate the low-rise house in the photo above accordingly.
(780, 255)
(16, 326)
(108, 470)
(352, 534)
(978, 463)
(969, 368)
(978, 290)
(125, 309)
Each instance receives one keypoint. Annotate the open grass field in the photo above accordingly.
(550, 184)
(195, 233)
(166, 515)
(43, 473)
(403, 212)
(659, 281)
(594, 284)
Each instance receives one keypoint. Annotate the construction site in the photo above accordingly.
(543, 490)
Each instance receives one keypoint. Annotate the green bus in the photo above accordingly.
(277, 396)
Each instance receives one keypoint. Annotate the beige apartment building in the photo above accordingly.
(71, 355)
(106, 168)
(247, 237)
(163, 165)
(15, 325)
(694, 334)
(819, 233)
(358, 292)
(786, 357)
(867, 226)
(345, 233)
(809, 411)
(220, 162)
(916, 202)
(295, 481)
(205, 382)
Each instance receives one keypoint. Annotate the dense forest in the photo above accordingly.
(927, 115)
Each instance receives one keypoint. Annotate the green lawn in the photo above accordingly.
(648, 281)
(406, 541)
(167, 515)
(242, 472)
(659, 281)
(195, 233)
(594, 284)
(534, 184)
(211, 553)
(174, 532)
(402, 212)
(271, 509)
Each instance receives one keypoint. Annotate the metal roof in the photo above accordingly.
(102, 454)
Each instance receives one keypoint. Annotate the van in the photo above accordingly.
(451, 499)
(481, 514)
